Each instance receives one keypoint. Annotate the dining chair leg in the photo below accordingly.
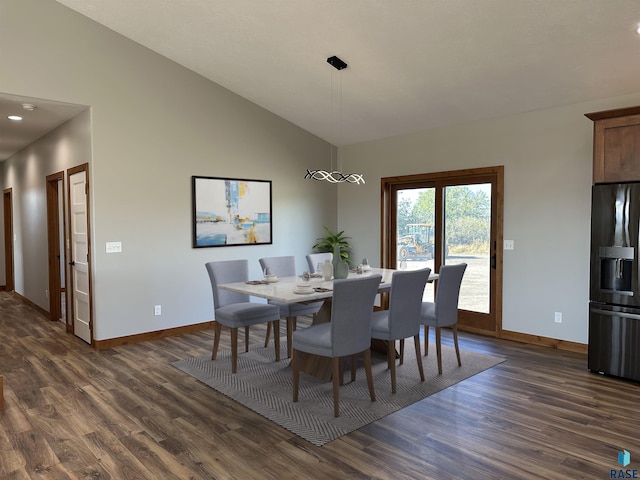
(401, 351)
(217, 330)
(291, 327)
(439, 349)
(295, 369)
(335, 367)
(426, 340)
(234, 350)
(455, 342)
(268, 335)
(367, 369)
(276, 338)
(353, 368)
(391, 360)
(341, 368)
(416, 341)
(246, 339)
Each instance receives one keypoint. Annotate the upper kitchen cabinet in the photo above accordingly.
(616, 145)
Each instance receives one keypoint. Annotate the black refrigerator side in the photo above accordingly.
(614, 289)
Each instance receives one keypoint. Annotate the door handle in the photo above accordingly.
(493, 261)
(72, 263)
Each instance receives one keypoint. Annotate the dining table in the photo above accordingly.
(286, 290)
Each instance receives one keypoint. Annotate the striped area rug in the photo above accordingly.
(265, 387)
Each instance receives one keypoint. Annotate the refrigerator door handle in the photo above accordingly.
(612, 313)
(619, 265)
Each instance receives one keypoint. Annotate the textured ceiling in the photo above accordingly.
(14, 136)
(413, 64)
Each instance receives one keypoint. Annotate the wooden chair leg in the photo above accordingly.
(291, 327)
(246, 339)
(276, 338)
(217, 330)
(353, 368)
(341, 368)
(295, 368)
(268, 335)
(335, 367)
(439, 349)
(391, 360)
(416, 341)
(426, 340)
(454, 328)
(234, 350)
(367, 369)
(401, 351)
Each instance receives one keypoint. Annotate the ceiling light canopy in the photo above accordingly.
(335, 176)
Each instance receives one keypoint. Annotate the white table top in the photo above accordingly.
(282, 290)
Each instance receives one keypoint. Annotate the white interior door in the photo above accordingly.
(80, 272)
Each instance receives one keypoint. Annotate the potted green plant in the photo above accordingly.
(333, 242)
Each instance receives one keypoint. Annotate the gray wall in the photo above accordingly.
(154, 125)
(547, 158)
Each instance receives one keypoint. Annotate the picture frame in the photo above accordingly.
(230, 212)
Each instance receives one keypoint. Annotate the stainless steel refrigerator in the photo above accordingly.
(614, 307)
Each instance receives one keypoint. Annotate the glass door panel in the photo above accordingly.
(467, 239)
(415, 235)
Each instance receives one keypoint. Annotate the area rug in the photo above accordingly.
(265, 387)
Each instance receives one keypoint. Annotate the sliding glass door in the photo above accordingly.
(448, 218)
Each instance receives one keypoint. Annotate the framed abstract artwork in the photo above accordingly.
(230, 212)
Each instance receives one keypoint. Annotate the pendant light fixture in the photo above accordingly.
(335, 176)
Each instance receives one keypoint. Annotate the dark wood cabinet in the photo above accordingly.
(616, 145)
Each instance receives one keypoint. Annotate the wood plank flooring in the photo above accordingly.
(125, 413)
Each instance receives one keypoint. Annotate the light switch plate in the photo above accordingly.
(114, 247)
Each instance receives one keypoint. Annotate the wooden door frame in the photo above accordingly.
(7, 203)
(71, 278)
(56, 258)
(469, 320)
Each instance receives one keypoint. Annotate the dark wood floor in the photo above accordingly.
(125, 413)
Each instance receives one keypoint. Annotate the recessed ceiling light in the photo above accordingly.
(15, 118)
(638, 29)
(29, 107)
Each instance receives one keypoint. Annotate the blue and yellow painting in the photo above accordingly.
(231, 212)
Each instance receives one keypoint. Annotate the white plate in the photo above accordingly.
(303, 291)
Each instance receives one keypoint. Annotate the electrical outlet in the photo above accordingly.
(46, 294)
(508, 245)
(157, 310)
(558, 317)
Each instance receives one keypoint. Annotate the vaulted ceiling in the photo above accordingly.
(413, 64)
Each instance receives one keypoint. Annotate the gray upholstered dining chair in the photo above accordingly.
(314, 258)
(286, 267)
(444, 311)
(235, 310)
(347, 334)
(402, 319)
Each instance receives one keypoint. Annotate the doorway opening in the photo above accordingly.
(7, 205)
(56, 241)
